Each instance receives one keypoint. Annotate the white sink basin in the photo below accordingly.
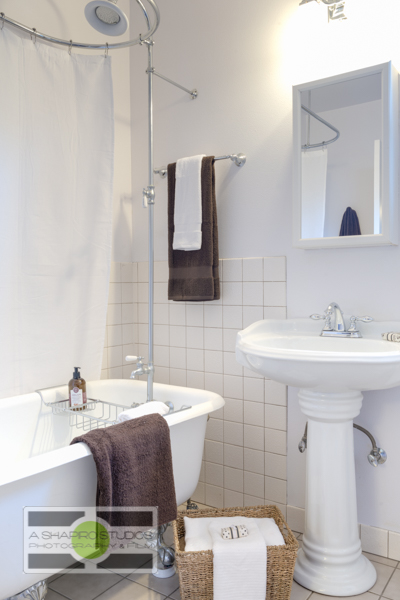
(331, 373)
(294, 353)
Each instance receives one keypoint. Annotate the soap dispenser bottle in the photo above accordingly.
(77, 391)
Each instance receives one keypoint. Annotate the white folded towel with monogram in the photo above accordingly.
(188, 210)
(198, 538)
(147, 408)
(240, 566)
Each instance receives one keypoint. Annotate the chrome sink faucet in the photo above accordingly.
(335, 325)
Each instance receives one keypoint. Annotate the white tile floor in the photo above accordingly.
(147, 587)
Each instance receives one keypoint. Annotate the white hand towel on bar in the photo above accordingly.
(314, 165)
(198, 538)
(187, 210)
(240, 566)
(147, 408)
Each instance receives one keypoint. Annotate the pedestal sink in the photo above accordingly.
(331, 374)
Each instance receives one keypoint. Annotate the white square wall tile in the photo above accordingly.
(212, 315)
(115, 358)
(229, 339)
(394, 545)
(194, 315)
(161, 293)
(161, 375)
(127, 292)
(177, 336)
(275, 312)
(195, 359)
(212, 338)
(274, 294)
(252, 314)
(253, 437)
(214, 496)
(127, 334)
(177, 377)
(275, 392)
(114, 335)
(214, 474)
(114, 314)
(275, 441)
(161, 271)
(215, 431)
(275, 466)
(232, 317)
(254, 389)
(233, 479)
(296, 518)
(232, 269)
(195, 337)
(233, 456)
(253, 484)
(161, 335)
(275, 490)
(275, 417)
(161, 314)
(127, 272)
(142, 292)
(253, 293)
(253, 413)
(177, 313)
(253, 501)
(195, 379)
(200, 493)
(233, 410)
(143, 271)
(214, 382)
(214, 452)
(254, 461)
(275, 268)
(232, 293)
(232, 498)
(213, 361)
(233, 386)
(231, 366)
(177, 358)
(127, 313)
(161, 356)
(253, 269)
(233, 433)
(374, 540)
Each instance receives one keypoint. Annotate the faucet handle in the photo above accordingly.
(354, 319)
(133, 358)
(327, 316)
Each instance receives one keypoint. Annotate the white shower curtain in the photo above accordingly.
(56, 175)
(314, 165)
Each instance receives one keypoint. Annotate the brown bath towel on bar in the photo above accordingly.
(134, 467)
(194, 275)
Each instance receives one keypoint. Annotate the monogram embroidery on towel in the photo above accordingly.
(234, 532)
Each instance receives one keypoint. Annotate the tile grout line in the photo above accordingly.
(388, 581)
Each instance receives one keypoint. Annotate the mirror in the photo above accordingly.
(345, 159)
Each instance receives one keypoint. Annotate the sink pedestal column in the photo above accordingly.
(331, 561)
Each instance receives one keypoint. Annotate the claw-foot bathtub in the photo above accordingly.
(39, 468)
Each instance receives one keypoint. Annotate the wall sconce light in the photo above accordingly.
(335, 8)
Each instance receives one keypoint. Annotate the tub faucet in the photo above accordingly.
(335, 325)
(142, 369)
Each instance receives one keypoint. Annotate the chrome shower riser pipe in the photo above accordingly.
(150, 200)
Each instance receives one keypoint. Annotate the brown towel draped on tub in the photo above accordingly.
(194, 275)
(134, 466)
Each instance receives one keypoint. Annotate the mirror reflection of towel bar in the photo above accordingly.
(238, 159)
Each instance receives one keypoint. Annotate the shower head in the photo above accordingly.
(105, 16)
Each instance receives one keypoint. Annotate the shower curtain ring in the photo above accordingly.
(34, 33)
(70, 47)
(2, 25)
(106, 51)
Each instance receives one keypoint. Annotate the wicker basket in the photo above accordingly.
(195, 569)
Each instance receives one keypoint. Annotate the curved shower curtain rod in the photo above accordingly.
(71, 44)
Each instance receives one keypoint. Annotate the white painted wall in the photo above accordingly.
(244, 58)
(67, 21)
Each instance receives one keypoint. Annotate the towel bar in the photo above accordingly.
(238, 159)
